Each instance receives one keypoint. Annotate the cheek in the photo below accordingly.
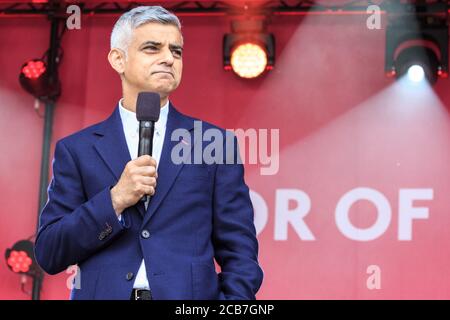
(179, 71)
(132, 69)
(140, 67)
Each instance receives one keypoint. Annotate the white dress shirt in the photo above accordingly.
(131, 130)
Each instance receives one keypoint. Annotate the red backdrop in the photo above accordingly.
(343, 125)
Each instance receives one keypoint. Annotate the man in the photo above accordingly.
(164, 248)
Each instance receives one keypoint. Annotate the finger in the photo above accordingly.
(148, 171)
(144, 160)
(148, 181)
(149, 190)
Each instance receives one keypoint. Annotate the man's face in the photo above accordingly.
(154, 59)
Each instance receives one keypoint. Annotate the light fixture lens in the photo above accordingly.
(19, 261)
(416, 73)
(33, 69)
(248, 60)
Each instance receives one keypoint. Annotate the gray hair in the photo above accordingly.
(122, 31)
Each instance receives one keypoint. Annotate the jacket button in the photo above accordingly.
(145, 234)
(129, 276)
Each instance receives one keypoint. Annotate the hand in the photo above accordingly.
(137, 179)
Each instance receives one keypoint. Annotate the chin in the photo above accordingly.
(162, 89)
(165, 91)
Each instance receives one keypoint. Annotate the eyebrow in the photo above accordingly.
(158, 44)
(175, 46)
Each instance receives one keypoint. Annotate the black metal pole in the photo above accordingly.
(48, 125)
(52, 65)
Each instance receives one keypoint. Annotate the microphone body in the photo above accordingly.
(146, 133)
(147, 113)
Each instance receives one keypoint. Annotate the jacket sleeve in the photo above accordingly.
(71, 227)
(234, 235)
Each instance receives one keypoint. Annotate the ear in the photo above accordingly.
(116, 58)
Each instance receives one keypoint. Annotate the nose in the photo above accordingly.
(167, 57)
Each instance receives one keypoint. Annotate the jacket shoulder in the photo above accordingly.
(82, 136)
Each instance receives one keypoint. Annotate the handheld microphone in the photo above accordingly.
(148, 106)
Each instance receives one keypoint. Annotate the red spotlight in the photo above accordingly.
(34, 69)
(19, 261)
(20, 258)
(35, 79)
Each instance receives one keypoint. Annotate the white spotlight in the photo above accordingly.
(416, 73)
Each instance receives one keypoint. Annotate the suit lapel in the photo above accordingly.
(113, 149)
(167, 170)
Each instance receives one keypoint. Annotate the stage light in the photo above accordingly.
(249, 60)
(249, 50)
(19, 261)
(20, 258)
(416, 73)
(35, 79)
(417, 43)
(34, 69)
(417, 64)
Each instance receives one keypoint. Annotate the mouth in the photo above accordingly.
(163, 72)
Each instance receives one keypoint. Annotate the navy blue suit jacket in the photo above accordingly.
(199, 213)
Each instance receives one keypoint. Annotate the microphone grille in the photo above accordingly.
(148, 106)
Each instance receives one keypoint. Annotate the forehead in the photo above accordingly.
(153, 31)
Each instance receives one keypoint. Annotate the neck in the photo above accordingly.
(130, 99)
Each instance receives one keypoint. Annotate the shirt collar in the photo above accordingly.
(129, 117)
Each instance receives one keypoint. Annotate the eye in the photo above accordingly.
(177, 52)
(153, 48)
